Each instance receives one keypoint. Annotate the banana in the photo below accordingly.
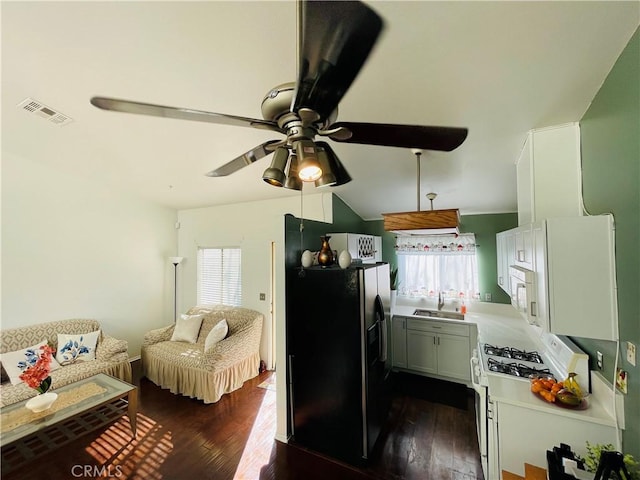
(572, 385)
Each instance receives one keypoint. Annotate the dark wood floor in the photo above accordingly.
(429, 436)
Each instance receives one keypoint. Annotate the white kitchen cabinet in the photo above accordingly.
(523, 254)
(506, 255)
(439, 348)
(548, 174)
(540, 309)
(399, 342)
(543, 430)
(501, 256)
(581, 288)
(422, 354)
(367, 248)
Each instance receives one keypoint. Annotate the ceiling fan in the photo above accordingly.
(334, 40)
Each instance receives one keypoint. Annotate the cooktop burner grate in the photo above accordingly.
(516, 369)
(510, 352)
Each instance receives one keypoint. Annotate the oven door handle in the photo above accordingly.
(475, 374)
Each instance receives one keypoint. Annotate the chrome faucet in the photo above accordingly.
(440, 301)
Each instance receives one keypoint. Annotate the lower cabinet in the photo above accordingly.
(431, 347)
(399, 342)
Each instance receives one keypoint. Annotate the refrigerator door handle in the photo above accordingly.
(382, 325)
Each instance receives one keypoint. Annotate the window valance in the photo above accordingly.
(463, 243)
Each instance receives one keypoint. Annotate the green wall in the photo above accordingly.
(485, 228)
(610, 138)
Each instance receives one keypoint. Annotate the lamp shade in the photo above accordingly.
(176, 260)
(335, 165)
(328, 178)
(293, 182)
(274, 175)
(308, 165)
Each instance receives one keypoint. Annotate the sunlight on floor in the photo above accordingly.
(259, 444)
(116, 452)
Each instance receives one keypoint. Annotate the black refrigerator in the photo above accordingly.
(339, 385)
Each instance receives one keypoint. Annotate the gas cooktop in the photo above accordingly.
(513, 361)
(510, 352)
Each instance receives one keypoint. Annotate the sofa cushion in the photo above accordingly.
(17, 362)
(187, 328)
(217, 333)
(80, 347)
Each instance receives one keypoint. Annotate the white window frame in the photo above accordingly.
(220, 276)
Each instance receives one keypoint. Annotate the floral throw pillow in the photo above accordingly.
(77, 348)
(15, 363)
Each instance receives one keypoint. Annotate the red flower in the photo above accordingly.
(36, 374)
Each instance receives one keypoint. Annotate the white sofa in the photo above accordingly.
(111, 355)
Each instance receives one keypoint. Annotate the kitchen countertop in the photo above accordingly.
(500, 324)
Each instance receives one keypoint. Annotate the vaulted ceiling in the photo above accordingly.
(497, 68)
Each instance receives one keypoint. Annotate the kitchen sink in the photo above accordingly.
(419, 312)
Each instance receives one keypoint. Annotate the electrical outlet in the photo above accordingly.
(599, 354)
(487, 297)
(263, 296)
(631, 353)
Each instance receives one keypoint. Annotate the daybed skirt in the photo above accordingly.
(205, 385)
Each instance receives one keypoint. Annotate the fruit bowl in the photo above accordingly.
(547, 388)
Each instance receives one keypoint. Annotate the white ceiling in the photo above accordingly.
(497, 68)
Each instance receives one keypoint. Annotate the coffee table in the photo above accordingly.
(90, 403)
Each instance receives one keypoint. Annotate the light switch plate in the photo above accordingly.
(631, 353)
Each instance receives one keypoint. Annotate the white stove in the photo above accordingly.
(555, 357)
(516, 360)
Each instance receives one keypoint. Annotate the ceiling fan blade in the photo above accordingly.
(406, 136)
(336, 39)
(119, 105)
(245, 159)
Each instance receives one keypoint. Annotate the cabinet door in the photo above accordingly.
(453, 356)
(524, 247)
(541, 308)
(421, 351)
(399, 342)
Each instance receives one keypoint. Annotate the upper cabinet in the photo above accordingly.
(576, 279)
(548, 174)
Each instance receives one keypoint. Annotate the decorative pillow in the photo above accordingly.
(187, 328)
(77, 348)
(216, 334)
(14, 363)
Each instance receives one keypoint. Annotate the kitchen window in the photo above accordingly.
(430, 264)
(219, 276)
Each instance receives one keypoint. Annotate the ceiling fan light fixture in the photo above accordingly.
(336, 167)
(274, 175)
(328, 178)
(309, 169)
(293, 181)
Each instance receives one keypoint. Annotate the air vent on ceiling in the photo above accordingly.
(48, 113)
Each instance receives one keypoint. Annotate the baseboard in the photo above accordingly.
(134, 359)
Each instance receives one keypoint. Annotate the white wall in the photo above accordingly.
(73, 249)
(252, 226)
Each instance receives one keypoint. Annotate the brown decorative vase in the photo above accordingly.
(325, 257)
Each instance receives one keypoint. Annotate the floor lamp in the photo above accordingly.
(175, 261)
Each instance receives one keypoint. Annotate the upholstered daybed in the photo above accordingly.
(188, 369)
(111, 355)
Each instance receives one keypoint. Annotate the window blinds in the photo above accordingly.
(219, 276)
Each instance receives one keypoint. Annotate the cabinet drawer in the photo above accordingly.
(437, 327)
